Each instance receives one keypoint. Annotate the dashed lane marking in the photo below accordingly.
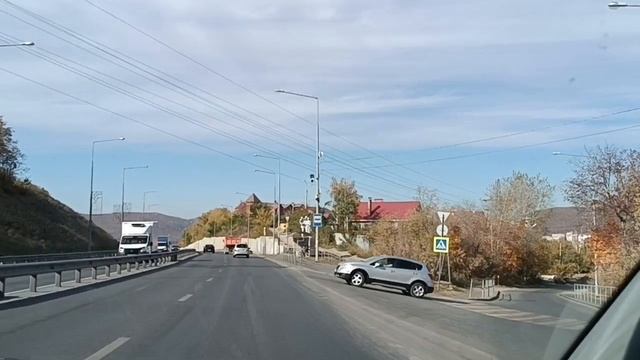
(108, 349)
(185, 298)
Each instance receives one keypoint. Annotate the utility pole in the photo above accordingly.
(318, 154)
(93, 150)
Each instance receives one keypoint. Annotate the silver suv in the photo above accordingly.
(412, 277)
(241, 250)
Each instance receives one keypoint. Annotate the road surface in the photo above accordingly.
(213, 306)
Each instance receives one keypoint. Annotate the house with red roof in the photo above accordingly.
(375, 210)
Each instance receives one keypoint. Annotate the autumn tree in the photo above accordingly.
(10, 155)
(345, 200)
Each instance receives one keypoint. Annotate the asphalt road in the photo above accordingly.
(534, 325)
(213, 306)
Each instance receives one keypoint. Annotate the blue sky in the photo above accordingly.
(400, 82)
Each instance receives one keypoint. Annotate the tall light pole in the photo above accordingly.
(248, 215)
(274, 195)
(278, 180)
(144, 201)
(318, 154)
(124, 172)
(24, 43)
(93, 150)
(616, 5)
(306, 194)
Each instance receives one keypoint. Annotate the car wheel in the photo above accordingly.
(357, 278)
(234, 256)
(418, 289)
(247, 256)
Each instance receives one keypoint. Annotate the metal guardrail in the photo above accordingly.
(32, 270)
(16, 259)
(592, 294)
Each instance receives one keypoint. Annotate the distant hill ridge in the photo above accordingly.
(166, 225)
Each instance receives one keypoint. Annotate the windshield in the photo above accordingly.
(126, 240)
(474, 166)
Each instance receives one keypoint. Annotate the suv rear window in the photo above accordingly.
(241, 245)
(404, 264)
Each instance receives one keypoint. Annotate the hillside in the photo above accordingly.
(167, 225)
(561, 220)
(32, 222)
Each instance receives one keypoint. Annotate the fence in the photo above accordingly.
(296, 255)
(32, 270)
(487, 288)
(592, 294)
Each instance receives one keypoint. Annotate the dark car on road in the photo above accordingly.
(209, 248)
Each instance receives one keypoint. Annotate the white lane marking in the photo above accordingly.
(108, 349)
(185, 298)
(141, 288)
(209, 279)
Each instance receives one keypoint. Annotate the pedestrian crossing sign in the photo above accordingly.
(441, 244)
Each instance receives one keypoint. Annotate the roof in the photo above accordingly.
(253, 199)
(387, 210)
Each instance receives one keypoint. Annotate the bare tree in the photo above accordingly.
(608, 178)
(519, 198)
(11, 157)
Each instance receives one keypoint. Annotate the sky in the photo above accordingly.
(448, 96)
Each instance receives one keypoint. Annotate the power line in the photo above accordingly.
(245, 88)
(101, 49)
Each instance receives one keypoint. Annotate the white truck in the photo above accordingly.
(164, 244)
(137, 238)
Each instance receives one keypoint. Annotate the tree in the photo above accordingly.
(345, 203)
(519, 198)
(264, 217)
(11, 158)
(607, 178)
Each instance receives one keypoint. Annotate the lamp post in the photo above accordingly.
(318, 154)
(616, 5)
(248, 215)
(278, 181)
(124, 172)
(24, 43)
(144, 201)
(93, 150)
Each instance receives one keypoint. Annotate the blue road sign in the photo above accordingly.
(317, 220)
(441, 244)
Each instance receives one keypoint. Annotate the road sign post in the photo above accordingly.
(441, 246)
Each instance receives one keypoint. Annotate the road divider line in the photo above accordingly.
(209, 279)
(185, 298)
(108, 349)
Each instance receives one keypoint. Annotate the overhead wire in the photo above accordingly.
(252, 92)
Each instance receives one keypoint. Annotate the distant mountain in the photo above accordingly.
(33, 222)
(561, 220)
(166, 225)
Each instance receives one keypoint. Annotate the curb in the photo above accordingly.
(10, 303)
(493, 298)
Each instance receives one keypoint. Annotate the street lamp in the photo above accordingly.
(318, 154)
(93, 150)
(274, 194)
(248, 215)
(559, 153)
(278, 180)
(24, 43)
(124, 171)
(144, 201)
(616, 5)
